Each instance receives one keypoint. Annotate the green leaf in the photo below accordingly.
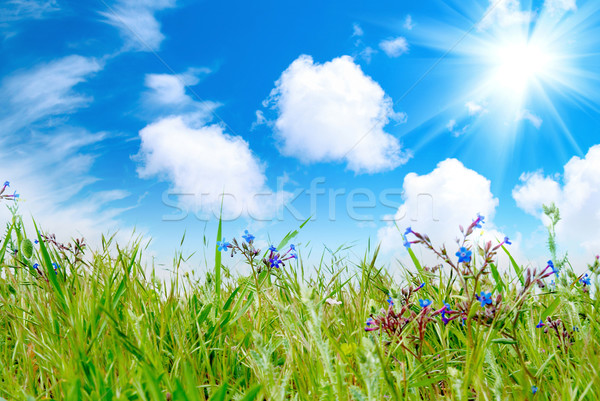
(503, 341)
(218, 258)
(252, 393)
(515, 266)
(548, 311)
(289, 236)
(220, 394)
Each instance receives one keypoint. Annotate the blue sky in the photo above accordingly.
(140, 114)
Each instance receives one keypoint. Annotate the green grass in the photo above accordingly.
(102, 328)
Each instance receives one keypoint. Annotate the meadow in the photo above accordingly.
(83, 324)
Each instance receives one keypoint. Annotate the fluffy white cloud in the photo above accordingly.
(555, 6)
(334, 112)
(203, 164)
(394, 47)
(137, 23)
(43, 91)
(199, 159)
(437, 203)
(577, 199)
(504, 13)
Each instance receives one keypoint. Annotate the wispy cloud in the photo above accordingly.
(137, 23)
(526, 115)
(357, 30)
(560, 6)
(408, 22)
(46, 90)
(504, 13)
(17, 10)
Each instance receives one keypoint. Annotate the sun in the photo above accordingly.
(519, 64)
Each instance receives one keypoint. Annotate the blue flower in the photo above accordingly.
(275, 262)
(36, 266)
(406, 243)
(247, 236)
(425, 302)
(370, 321)
(272, 248)
(294, 255)
(390, 300)
(554, 269)
(507, 241)
(292, 247)
(6, 184)
(540, 324)
(534, 389)
(408, 231)
(479, 221)
(421, 286)
(485, 298)
(223, 245)
(464, 255)
(585, 280)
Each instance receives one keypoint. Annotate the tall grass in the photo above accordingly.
(99, 327)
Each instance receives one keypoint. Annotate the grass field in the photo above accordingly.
(83, 325)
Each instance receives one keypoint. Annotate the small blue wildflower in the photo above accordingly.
(36, 242)
(534, 389)
(554, 269)
(485, 298)
(408, 231)
(585, 280)
(540, 324)
(294, 255)
(507, 241)
(425, 302)
(15, 195)
(292, 247)
(248, 237)
(406, 244)
(272, 248)
(6, 184)
(479, 221)
(390, 300)
(464, 255)
(36, 266)
(421, 286)
(370, 321)
(275, 262)
(223, 245)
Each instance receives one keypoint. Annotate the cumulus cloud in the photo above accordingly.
(137, 22)
(559, 6)
(204, 163)
(576, 194)
(199, 159)
(526, 115)
(504, 13)
(334, 112)
(394, 47)
(45, 90)
(437, 203)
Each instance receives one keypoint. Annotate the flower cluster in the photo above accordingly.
(557, 326)
(272, 260)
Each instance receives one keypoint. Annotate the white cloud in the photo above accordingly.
(367, 53)
(45, 90)
(260, 120)
(455, 130)
(408, 22)
(137, 22)
(475, 108)
(357, 30)
(49, 162)
(204, 163)
(557, 6)
(451, 125)
(529, 116)
(437, 203)
(16, 10)
(334, 112)
(200, 159)
(504, 13)
(577, 199)
(394, 47)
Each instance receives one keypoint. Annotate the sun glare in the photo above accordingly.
(519, 64)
